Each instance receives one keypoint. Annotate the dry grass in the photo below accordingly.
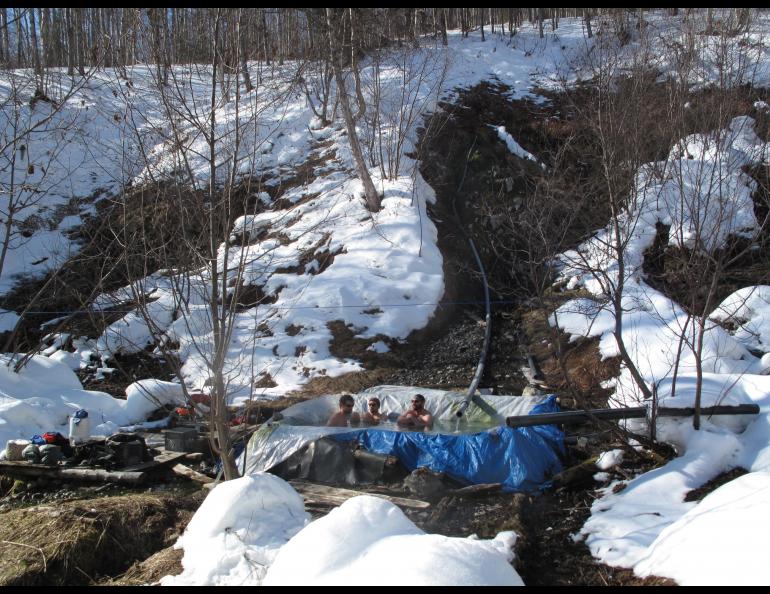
(75, 543)
(585, 369)
(348, 383)
(165, 562)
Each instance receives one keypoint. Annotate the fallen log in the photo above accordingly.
(614, 414)
(483, 489)
(25, 470)
(336, 496)
(191, 474)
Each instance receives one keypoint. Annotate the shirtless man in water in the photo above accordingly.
(345, 415)
(417, 416)
(374, 416)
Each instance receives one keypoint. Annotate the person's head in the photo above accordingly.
(374, 405)
(347, 402)
(418, 402)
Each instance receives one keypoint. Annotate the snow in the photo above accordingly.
(701, 547)
(262, 535)
(514, 147)
(384, 281)
(237, 532)
(368, 541)
(609, 459)
(386, 276)
(702, 192)
(45, 392)
(626, 528)
(623, 525)
(748, 309)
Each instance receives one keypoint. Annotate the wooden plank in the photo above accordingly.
(336, 496)
(163, 459)
(194, 475)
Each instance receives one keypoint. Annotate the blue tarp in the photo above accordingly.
(522, 459)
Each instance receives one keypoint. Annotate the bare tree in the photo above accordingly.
(335, 21)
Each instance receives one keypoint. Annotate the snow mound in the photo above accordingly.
(368, 541)
(728, 528)
(44, 392)
(514, 147)
(748, 309)
(244, 523)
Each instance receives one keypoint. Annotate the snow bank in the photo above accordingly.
(748, 311)
(623, 525)
(61, 157)
(236, 533)
(702, 191)
(705, 547)
(132, 333)
(144, 396)
(45, 392)
(368, 541)
(704, 195)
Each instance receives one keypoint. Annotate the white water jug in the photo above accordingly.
(80, 427)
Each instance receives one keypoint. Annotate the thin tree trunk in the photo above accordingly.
(370, 193)
(70, 42)
(540, 22)
(18, 19)
(244, 60)
(265, 42)
(587, 21)
(81, 41)
(443, 27)
(35, 52)
(219, 397)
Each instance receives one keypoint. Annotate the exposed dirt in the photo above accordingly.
(79, 542)
(552, 557)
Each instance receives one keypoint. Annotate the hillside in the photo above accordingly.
(203, 238)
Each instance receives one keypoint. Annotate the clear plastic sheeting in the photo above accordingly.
(520, 459)
(443, 405)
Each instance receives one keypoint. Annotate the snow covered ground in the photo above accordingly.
(262, 535)
(701, 191)
(324, 259)
(705, 194)
(384, 281)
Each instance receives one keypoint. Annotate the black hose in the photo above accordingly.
(487, 335)
(488, 319)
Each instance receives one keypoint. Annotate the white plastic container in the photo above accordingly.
(80, 430)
